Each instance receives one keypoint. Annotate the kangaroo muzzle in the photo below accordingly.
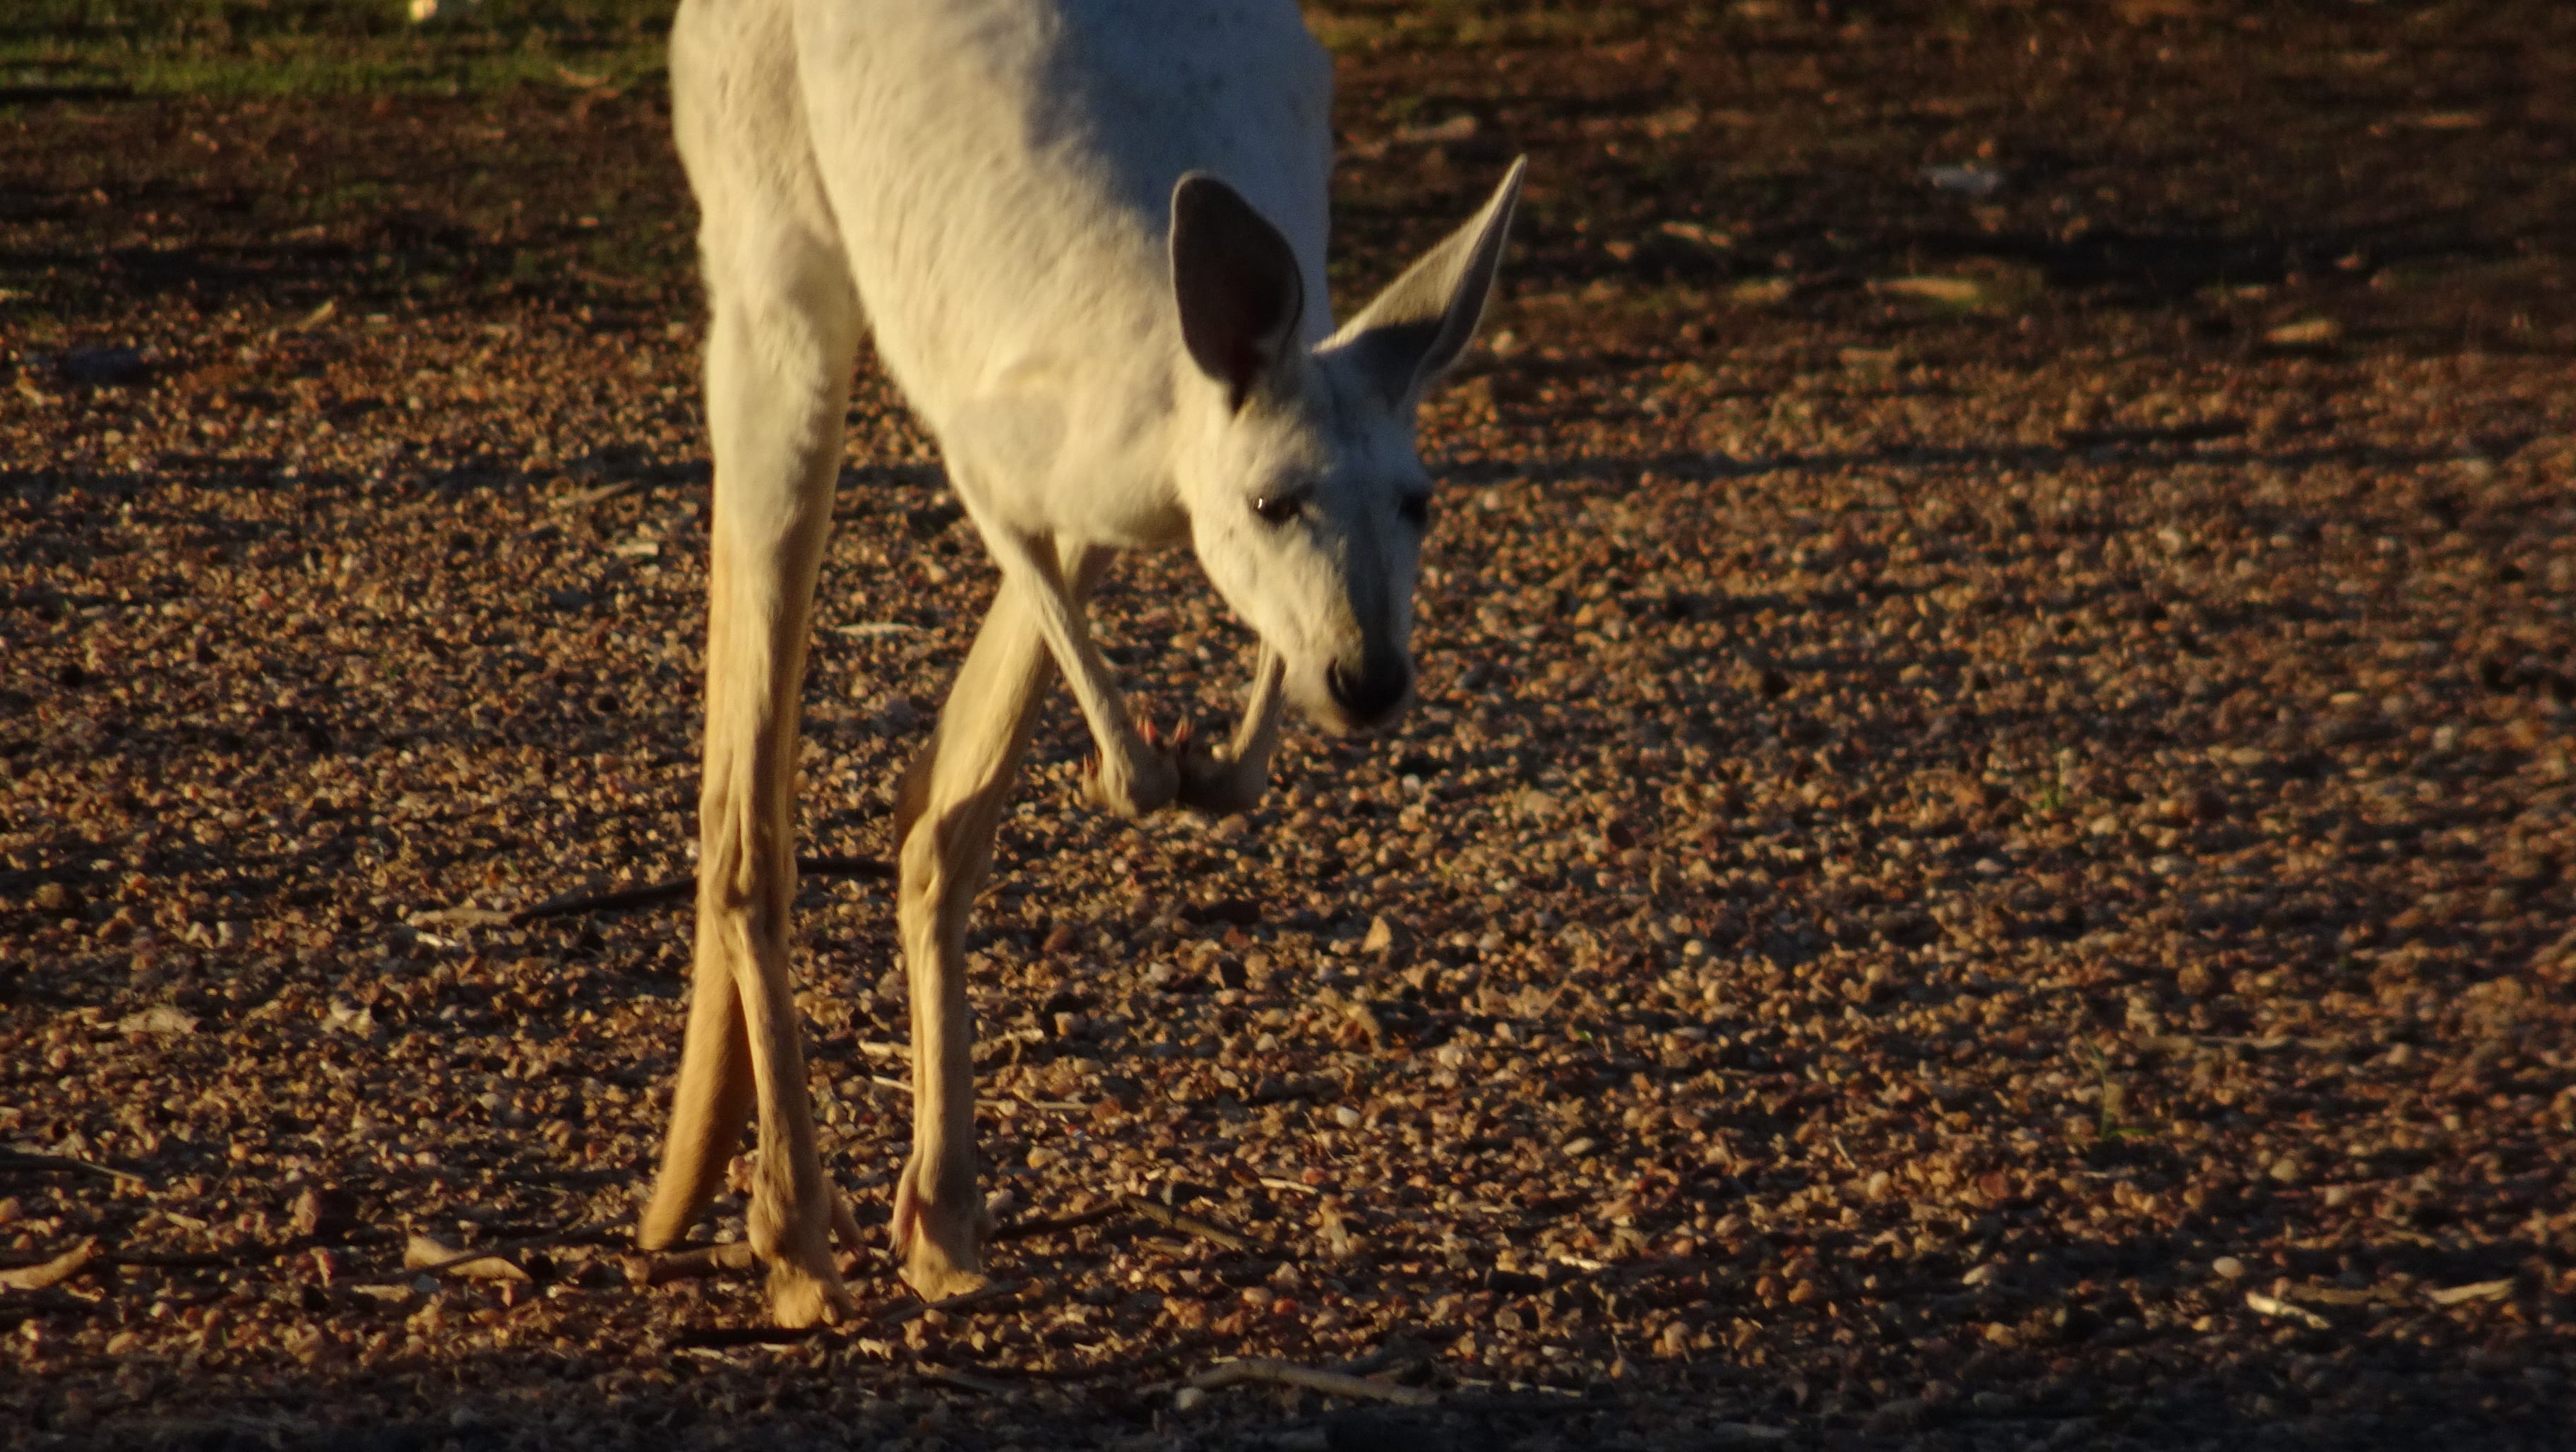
(1373, 694)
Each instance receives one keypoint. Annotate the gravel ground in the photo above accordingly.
(1986, 860)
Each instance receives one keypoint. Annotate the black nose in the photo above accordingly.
(1372, 693)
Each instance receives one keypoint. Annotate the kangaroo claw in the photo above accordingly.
(1135, 789)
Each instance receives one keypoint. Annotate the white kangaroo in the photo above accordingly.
(1089, 237)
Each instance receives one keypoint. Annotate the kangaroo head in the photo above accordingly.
(1306, 496)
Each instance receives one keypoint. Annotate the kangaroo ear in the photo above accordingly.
(1417, 327)
(1237, 283)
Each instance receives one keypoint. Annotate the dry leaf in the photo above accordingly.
(53, 1272)
(2476, 1291)
(1957, 292)
(422, 1252)
(161, 1018)
(2305, 333)
(2273, 1306)
(319, 1213)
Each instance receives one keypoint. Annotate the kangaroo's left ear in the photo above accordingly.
(1415, 329)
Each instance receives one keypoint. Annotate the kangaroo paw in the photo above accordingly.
(1136, 788)
(1218, 785)
(941, 1246)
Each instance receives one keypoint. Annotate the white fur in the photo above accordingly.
(1108, 357)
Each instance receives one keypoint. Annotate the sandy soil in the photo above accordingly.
(1986, 861)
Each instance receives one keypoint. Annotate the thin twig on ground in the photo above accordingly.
(1174, 1220)
(1124, 1366)
(962, 1301)
(621, 900)
(730, 1259)
(966, 1380)
(173, 1260)
(720, 1338)
(18, 1159)
(1049, 1225)
(584, 498)
(1520, 1403)
(678, 889)
(1399, 1350)
(1311, 1378)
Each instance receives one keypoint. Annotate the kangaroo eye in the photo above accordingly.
(1280, 508)
(1416, 509)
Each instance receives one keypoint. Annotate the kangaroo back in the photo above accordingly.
(1002, 171)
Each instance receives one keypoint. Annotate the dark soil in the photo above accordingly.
(1986, 862)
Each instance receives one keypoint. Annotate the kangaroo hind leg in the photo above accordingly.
(784, 329)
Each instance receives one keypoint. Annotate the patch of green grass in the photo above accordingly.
(363, 197)
(327, 47)
(2113, 1123)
